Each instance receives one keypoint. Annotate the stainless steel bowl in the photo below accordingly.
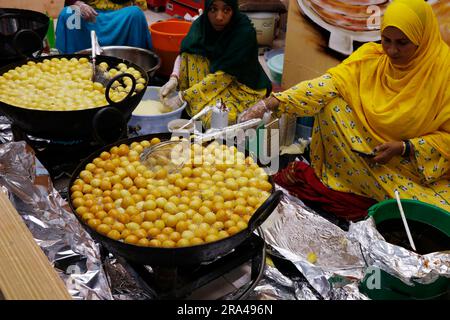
(146, 59)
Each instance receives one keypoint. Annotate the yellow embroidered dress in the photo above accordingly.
(367, 101)
(337, 129)
(202, 88)
(108, 5)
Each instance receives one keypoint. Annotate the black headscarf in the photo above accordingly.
(233, 50)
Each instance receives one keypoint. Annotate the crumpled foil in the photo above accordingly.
(123, 285)
(321, 251)
(5, 130)
(276, 286)
(70, 249)
(404, 264)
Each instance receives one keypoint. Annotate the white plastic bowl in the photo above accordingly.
(154, 123)
(176, 124)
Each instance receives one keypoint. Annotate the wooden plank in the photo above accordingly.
(25, 272)
(52, 7)
(306, 55)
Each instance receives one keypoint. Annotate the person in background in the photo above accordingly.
(219, 60)
(392, 99)
(116, 22)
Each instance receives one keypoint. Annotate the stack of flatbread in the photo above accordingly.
(353, 15)
(442, 10)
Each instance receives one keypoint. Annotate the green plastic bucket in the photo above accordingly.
(392, 287)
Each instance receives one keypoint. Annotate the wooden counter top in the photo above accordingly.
(25, 271)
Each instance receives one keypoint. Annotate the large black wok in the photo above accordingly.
(171, 257)
(102, 124)
(21, 33)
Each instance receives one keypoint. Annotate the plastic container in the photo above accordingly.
(272, 53)
(166, 38)
(391, 287)
(275, 65)
(176, 124)
(304, 127)
(153, 123)
(264, 23)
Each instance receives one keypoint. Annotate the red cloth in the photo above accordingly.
(300, 180)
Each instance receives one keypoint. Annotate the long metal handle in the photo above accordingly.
(198, 115)
(93, 53)
(405, 223)
(243, 125)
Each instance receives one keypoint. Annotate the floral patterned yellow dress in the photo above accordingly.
(202, 88)
(337, 130)
(108, 5)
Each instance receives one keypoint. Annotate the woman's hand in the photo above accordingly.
(386, 151)
(255, 111)
(174, 102)
(168, 88)
(87, 12)
(258, 109)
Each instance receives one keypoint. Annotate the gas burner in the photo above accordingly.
(247, 260)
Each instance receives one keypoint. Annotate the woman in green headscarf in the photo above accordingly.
(219, 60)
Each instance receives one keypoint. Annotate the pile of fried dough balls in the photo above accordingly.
(210, 197)
(59, 84)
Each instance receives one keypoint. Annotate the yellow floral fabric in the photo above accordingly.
(108, 5)
(201, 88)
(337, 130)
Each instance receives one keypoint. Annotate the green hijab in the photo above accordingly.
(233, 50)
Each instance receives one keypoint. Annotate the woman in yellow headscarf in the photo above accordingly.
(392, 99)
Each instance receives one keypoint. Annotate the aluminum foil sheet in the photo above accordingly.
(276, 286)
(73, 253)
(404, 264)
(321, 251)
(5, 130)
(123, 285)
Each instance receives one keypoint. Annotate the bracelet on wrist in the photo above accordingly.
(407, 151)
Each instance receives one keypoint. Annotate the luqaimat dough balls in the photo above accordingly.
(61, 85)
(204, 201)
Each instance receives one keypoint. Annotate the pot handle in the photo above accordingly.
(265, 210)
(21, 33)
(116, 128)
(8, 15)
(116, 78)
